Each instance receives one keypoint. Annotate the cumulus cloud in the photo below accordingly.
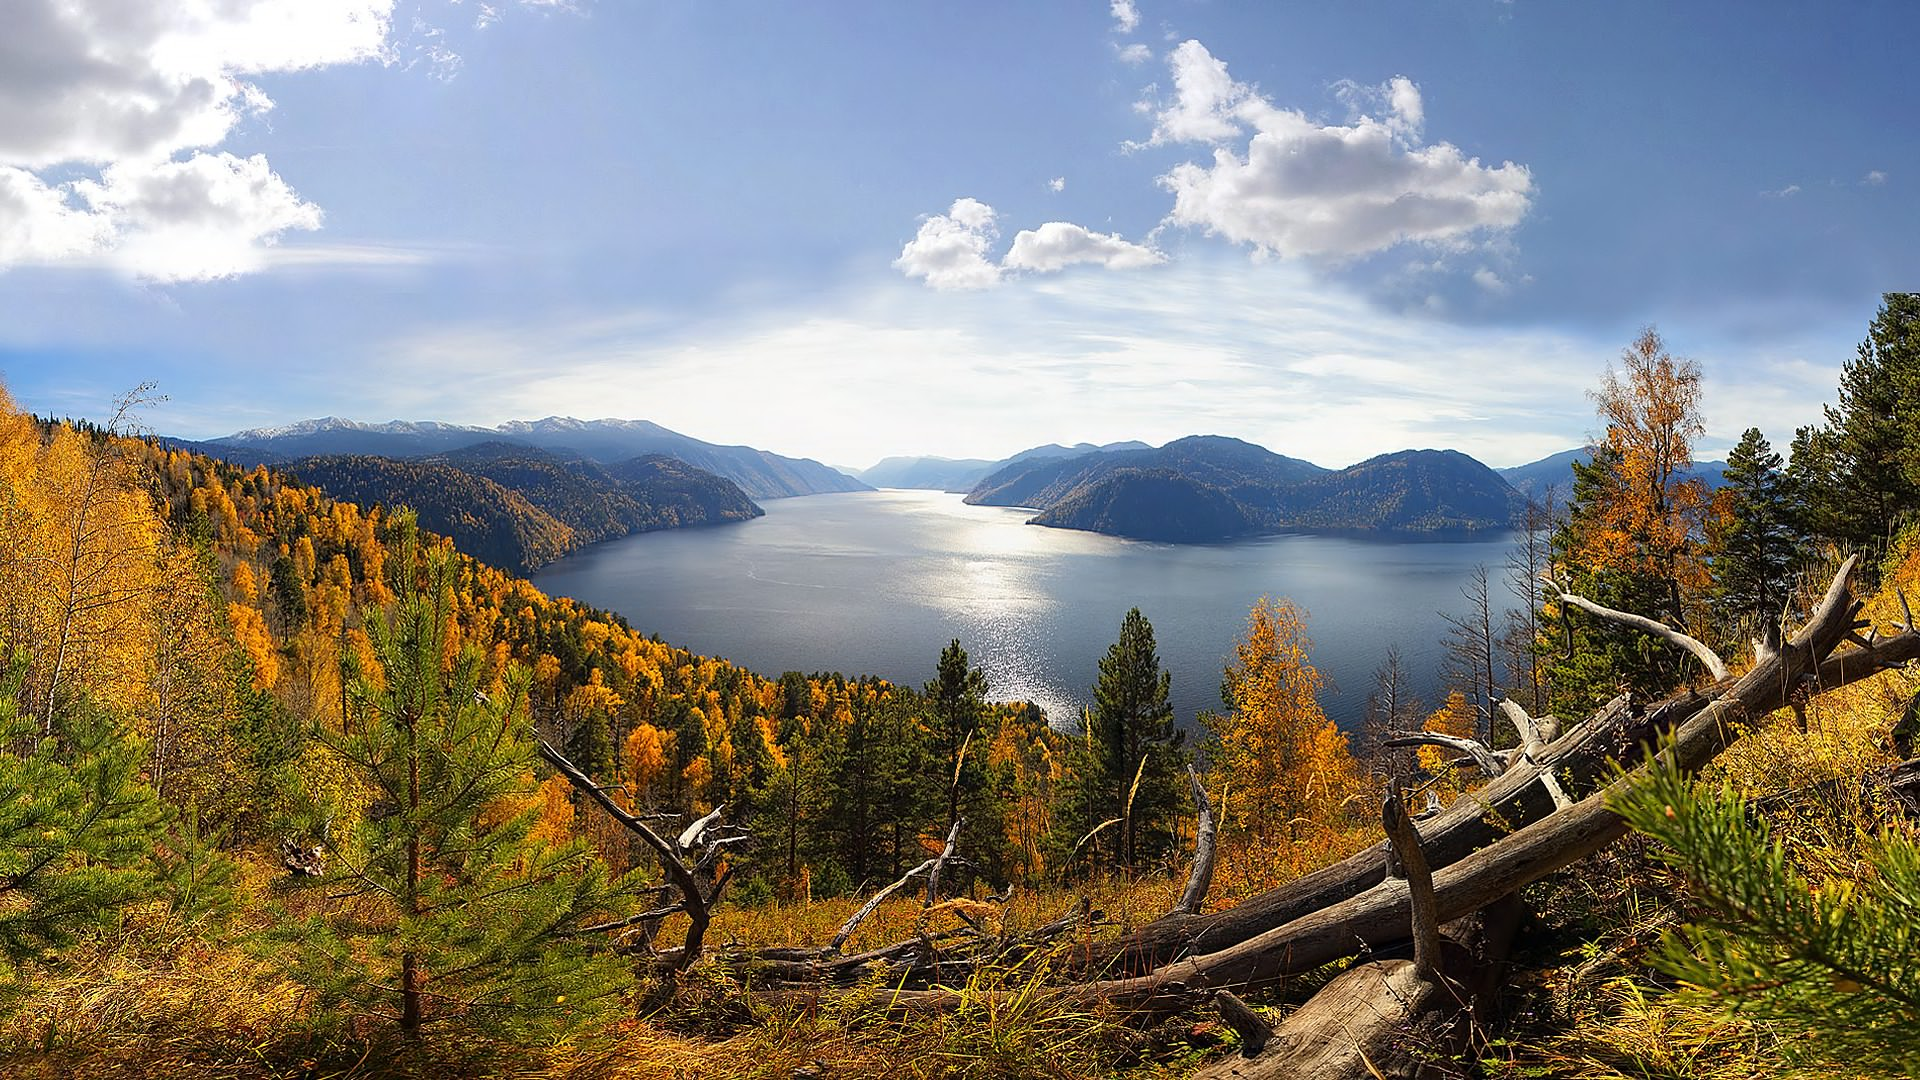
(950, 250)
(125, 87)
(1135, 53)
(1059, 244)
(1058, 183)
(1874, 178)
(954, 250)
(1306, 188)
(1126, 17)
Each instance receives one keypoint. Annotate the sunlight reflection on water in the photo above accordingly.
(878, 582)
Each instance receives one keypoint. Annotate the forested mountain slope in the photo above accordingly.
(760, 473)
(1204, 488)
(519, 508)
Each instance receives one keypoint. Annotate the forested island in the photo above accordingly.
(295, 784)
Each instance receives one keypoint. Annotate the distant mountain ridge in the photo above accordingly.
(1555, 471)
(761, 474)
(519, 507)
(1209, 487)
(963, 474)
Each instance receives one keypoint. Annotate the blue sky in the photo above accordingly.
(862, 229)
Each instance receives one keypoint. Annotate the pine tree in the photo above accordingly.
(75, 825)
(1866, 460)
(1832, 959)
(445, 905)
(1750, 537)
(956, 702)
(1134, 736)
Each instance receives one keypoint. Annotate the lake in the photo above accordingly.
(878, 582)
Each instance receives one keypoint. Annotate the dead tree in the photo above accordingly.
(699, 841)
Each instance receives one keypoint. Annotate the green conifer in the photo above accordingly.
(439, 902)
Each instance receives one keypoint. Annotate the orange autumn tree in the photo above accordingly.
(1650, 511)
(1634, 534)
(1455, 717)
(1287, 763)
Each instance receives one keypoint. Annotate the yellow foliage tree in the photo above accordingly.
(1289, 763)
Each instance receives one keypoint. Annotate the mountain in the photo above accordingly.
(936, 473)
(760, 474)
(949, 474)
(1205, 488)
(519, 507)
(1533, 478)
(1214, 460)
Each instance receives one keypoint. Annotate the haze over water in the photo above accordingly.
(878, 582)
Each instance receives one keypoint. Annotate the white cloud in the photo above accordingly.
(1058, 183)
(1874, 178)
(206, 217)
(1135, 53)
(953, 250)
(1059, 244)
(1784, 193)
(950, 250)
(126, 87)
(1126, 17)
(1304, 188)
(1206, 100)
(1492, 282)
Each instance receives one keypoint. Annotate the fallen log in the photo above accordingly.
(1580, 757)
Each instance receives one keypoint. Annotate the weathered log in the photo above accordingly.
(1200, 878)
(1578, 758)
(1413, 866)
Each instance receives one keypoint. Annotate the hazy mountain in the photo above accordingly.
(519, 507)
(963, 474)
(1533, 478)
(936, 473)
(1212, 488)
(759, 473)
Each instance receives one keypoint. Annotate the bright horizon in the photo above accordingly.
(954, 232)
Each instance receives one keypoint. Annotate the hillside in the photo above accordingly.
(761, 474)
(1205, 488)
(518, 508)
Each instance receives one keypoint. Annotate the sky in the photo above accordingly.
(864, 229)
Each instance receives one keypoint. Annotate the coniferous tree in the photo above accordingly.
(76, 825)
(1751, 537)
(1861, 473)
(956, 704)
(446, 904)
(1134, 736)
(1832, 960)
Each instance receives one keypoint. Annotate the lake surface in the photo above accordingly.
(878, 582)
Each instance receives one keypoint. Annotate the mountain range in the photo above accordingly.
(761, 474)
(1208, 487)
(518, 506)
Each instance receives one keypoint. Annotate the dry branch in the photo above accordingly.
(692, 898)
(1715, 666)
(1413, 865)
